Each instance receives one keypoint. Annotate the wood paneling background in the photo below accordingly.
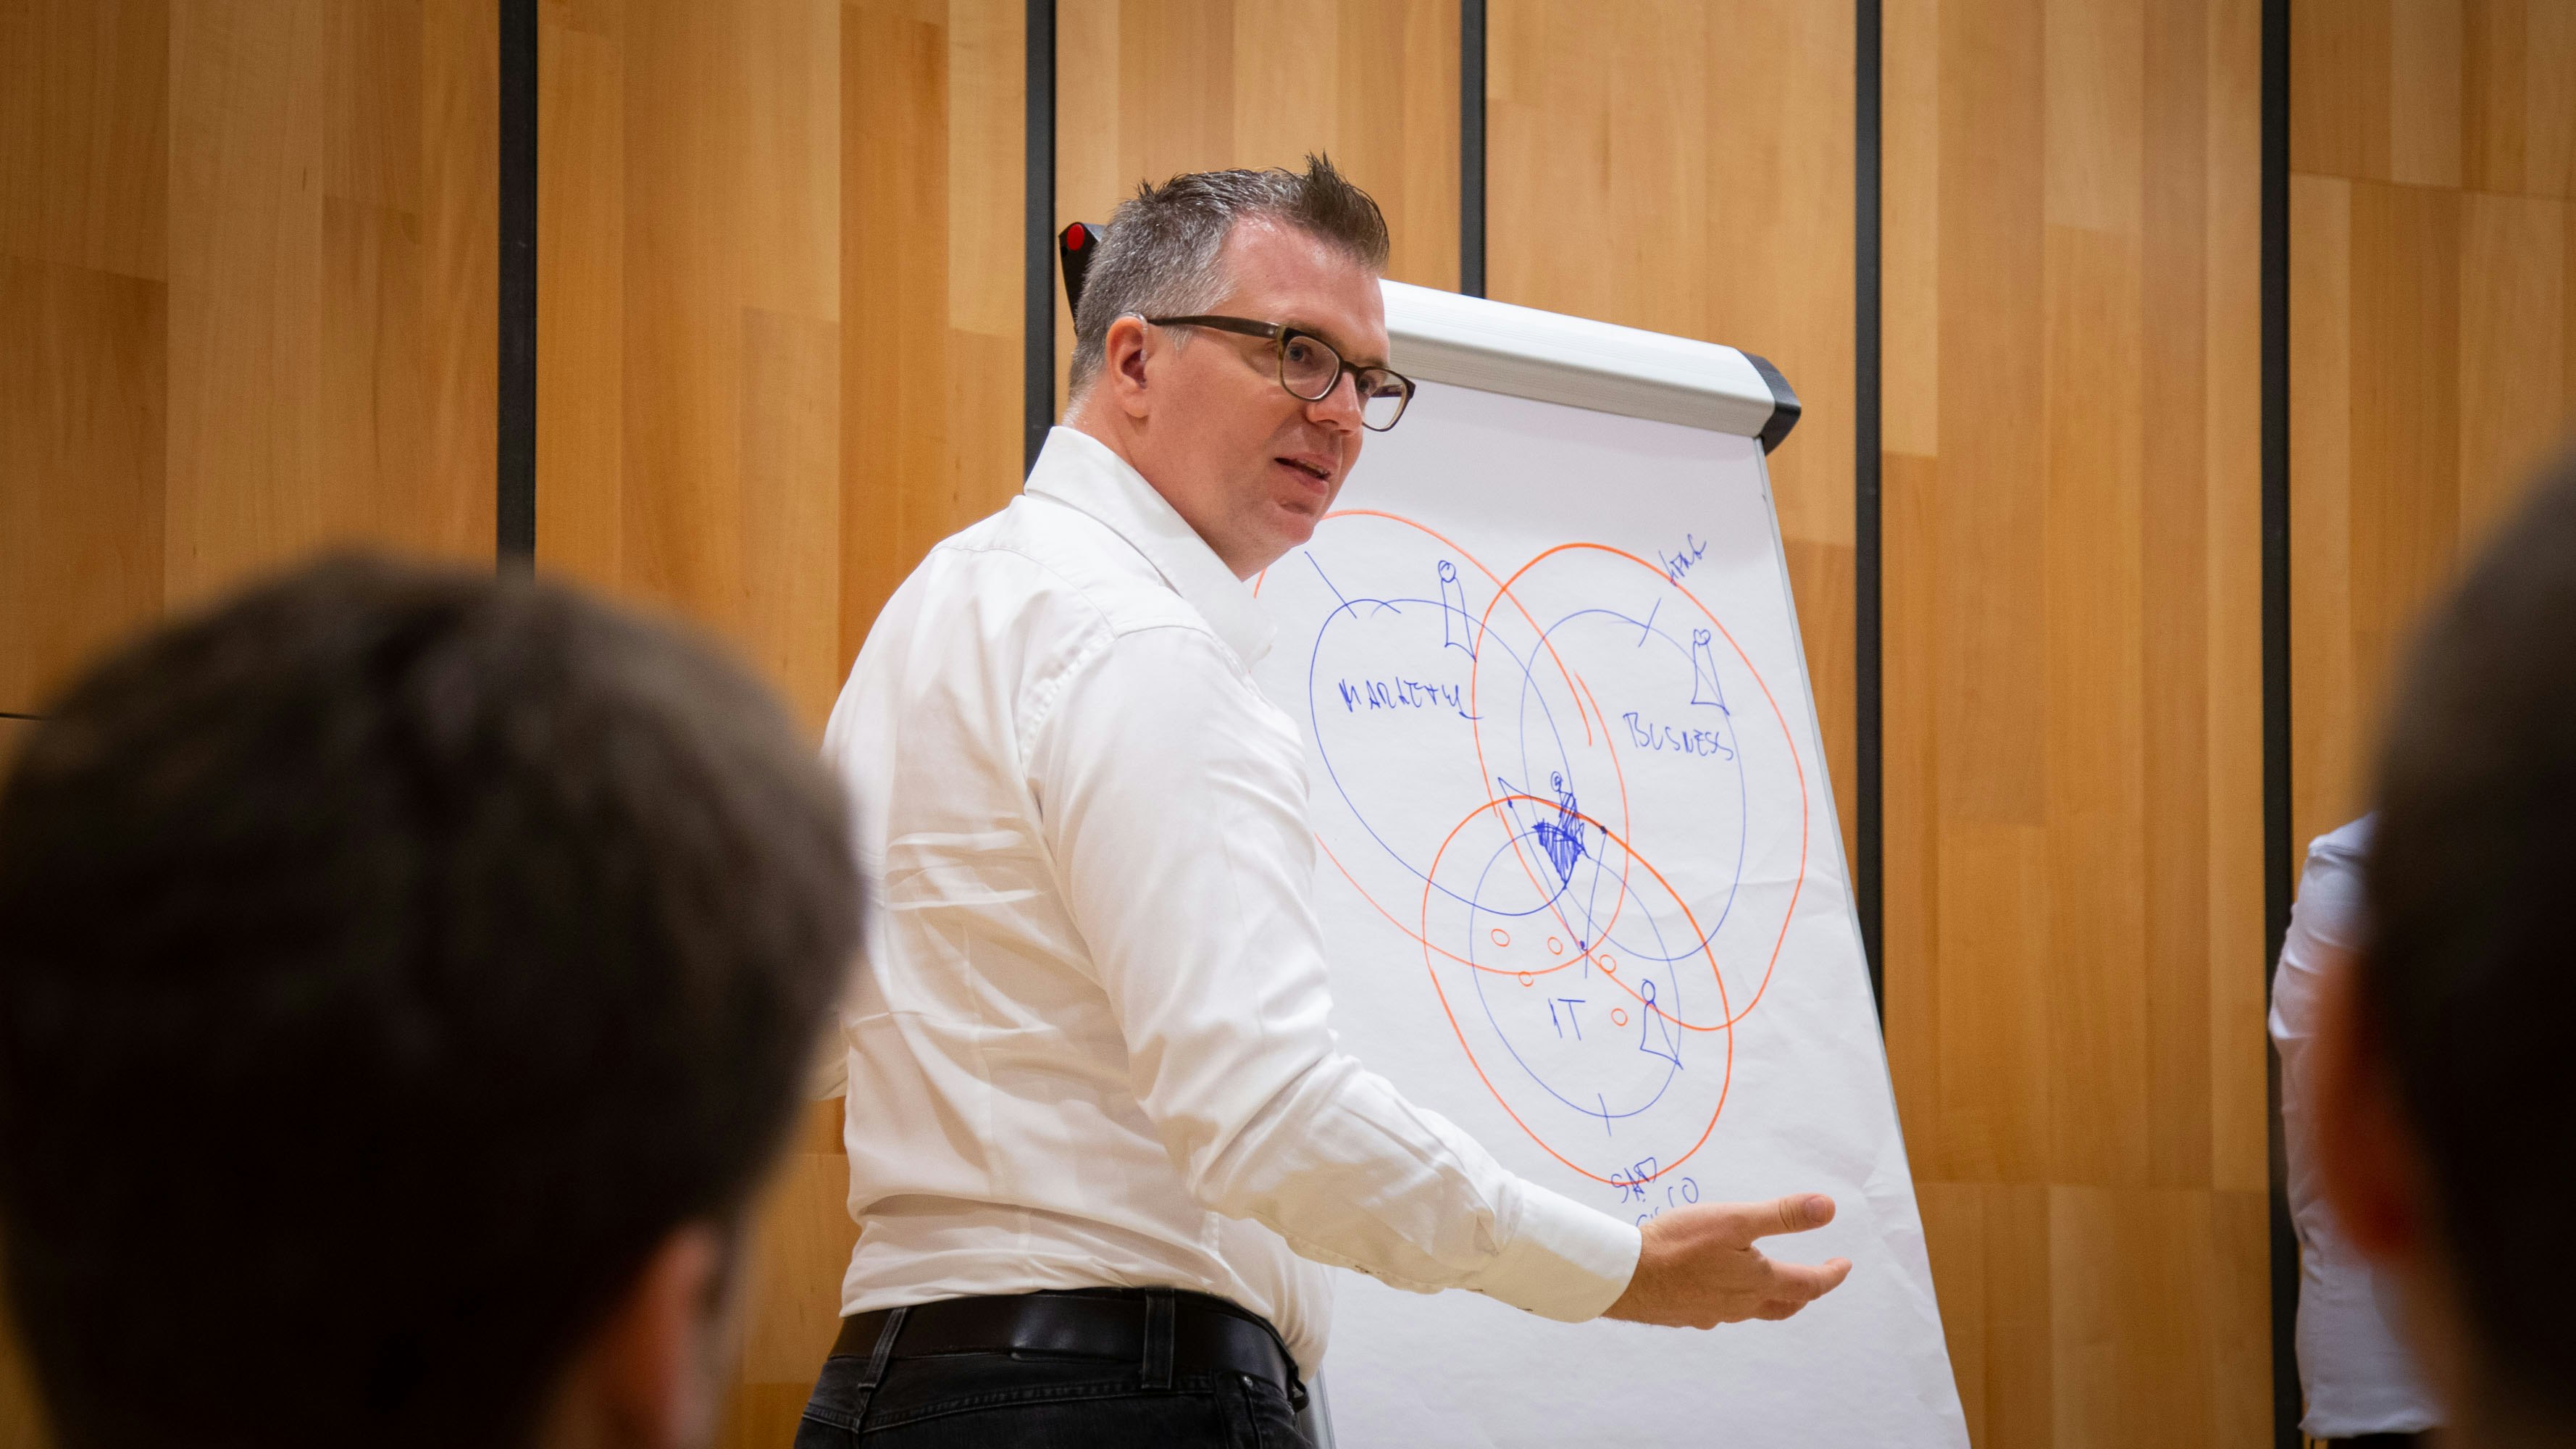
(2075, 955)
(247, 279)
(689, 332)
(931, 206)
(1686, 166)
(2432, 313)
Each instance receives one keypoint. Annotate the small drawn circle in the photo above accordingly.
(1555, 947)
(1528, 980)
(1618, 1016)
(1501, 936)
(1608, 964)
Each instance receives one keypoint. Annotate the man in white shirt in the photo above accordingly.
(2359, 1381)
(1101, 1140)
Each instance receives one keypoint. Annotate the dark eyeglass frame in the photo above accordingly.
(1279, 335)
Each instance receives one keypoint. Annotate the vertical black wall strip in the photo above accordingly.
(1471, 147)
(1867, 878)
(2280, 860)
(1037, 357)
(515, 410)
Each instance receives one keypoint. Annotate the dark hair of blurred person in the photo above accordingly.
(2449, 1115)
(405, 979)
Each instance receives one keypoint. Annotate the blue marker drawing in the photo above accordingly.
(1562, 838)
(1704, 686)
(1516, 773)
(1679, 563)
(1654, 1031)
(1457, 626)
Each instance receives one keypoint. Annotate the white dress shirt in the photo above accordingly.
(2357, 1376)
(1090, 1045)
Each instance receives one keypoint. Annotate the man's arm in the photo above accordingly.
(1174, 803)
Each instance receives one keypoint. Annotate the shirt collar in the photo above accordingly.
(1080, 471)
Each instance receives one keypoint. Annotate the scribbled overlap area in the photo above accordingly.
(1578, 797)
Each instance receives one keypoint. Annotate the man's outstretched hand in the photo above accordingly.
(1699, 1267)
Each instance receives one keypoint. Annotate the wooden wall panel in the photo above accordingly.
(83, 297)
(1148, 89)
(690, 263)
(81, 406)
(247, 268)
(931, 206)
(2074, 916)
(1687, 167)
(83, 207)
(2429, 310)
(581, 288)
(331, 267)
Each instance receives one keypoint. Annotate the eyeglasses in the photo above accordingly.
(1310, 369)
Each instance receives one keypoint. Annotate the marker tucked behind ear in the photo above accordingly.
(1075, 245)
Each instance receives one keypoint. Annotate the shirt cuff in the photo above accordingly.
(1566, 1261)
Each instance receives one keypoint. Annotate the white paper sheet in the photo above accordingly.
(1586, 897)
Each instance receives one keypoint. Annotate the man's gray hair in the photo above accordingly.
(1161, 256)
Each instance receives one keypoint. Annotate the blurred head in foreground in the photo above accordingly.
(405, 979)
(2448, 1101)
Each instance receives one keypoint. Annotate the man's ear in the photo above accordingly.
(1122, 364)
(650, 1376)
(2369, 1164)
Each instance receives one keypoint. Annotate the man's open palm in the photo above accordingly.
(1699, 1268)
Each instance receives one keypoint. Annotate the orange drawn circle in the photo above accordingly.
(1422, 933)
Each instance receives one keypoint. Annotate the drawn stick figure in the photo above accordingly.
(1704, 686)
(1457, 626)
(1561, 838)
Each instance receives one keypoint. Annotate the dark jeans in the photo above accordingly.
(1012, 1401)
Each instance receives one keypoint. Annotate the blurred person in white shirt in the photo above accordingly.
(1102, 1143)
(2357, 1379)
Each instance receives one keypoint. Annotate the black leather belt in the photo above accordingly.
(1163, 1330)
